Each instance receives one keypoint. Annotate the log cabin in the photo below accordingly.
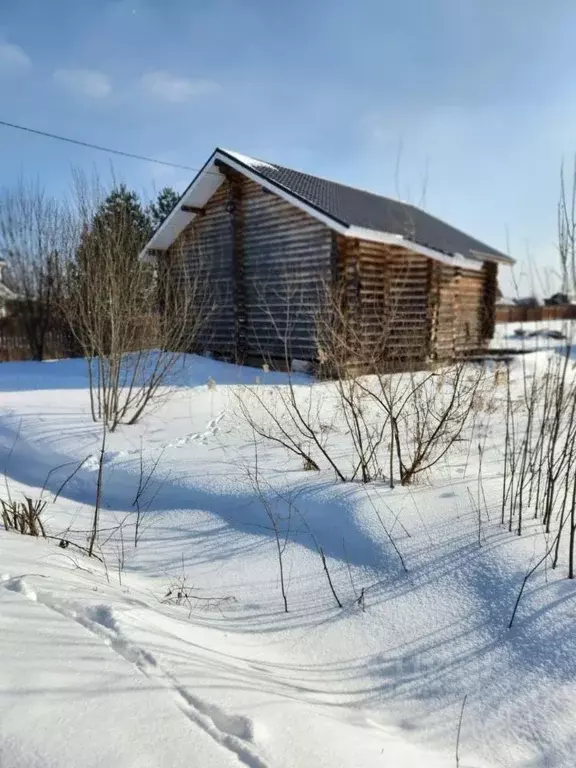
(270, 244)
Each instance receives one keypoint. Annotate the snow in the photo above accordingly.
(99, 665)
(533, 336)
(375, 236)
(251, 162)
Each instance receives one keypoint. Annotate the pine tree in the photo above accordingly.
(121, 219)
(117, 233)
(107, 258)
(159, 210)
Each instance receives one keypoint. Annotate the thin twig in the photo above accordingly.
(459, 729)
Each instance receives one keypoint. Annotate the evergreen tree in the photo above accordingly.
(164, 203)
(122, 219)
(107, 262)
(117, 232)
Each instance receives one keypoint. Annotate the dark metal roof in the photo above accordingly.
(357, 208)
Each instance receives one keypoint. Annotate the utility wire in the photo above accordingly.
(95, 146)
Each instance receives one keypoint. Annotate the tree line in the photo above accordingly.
(50, 244)
(75, 267)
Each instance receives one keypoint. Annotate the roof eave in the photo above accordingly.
(500, 258)
(177, 220)
(388, 238)
(202, 187)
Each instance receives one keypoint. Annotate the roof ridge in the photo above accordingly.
(233, 153)
(397, 209)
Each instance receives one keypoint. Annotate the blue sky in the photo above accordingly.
(471, 101)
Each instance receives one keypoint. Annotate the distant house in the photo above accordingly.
(6, 295)
(268, 240)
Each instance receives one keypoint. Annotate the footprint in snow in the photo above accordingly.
(19, 585)
(236, 733)
(104, 615)
(212, 426)
(185, 440)
(93, 461)
(211, 429)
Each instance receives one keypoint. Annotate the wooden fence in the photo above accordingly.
(14, 343)
(514, 314)
(60, 342)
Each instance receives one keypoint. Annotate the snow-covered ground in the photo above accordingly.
(532, 336)
(100, 666)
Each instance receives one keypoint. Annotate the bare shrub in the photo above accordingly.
(24, 516)
(417, 415)
(280, 524)
(33, 240)
(289, 415)
(132, 319)
(317, 545)
(180, 592)
(540, 441)
(540, 449)
(400, 423)
(143, 500)
(95, 530)
(435, 416)
(388, 533)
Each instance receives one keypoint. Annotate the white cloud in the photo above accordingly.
(176, 90)
(13, 58)
(87, 83)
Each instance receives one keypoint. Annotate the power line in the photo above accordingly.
(95, 146)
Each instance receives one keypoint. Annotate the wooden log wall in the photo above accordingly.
(411, 310)
(265, 263)
(461, 324)
(287, 263)
(204, 252)
(236, 211)
(345, 282)
(489, 300)
(266, 266)
(393, 304)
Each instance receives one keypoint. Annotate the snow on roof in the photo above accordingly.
(252, 162)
